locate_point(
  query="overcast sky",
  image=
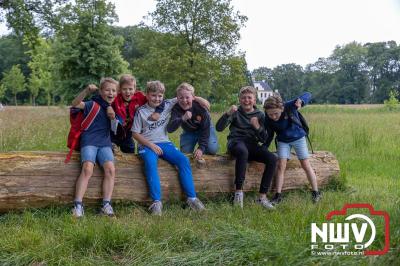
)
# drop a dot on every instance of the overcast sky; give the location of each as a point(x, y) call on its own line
point(296, 31)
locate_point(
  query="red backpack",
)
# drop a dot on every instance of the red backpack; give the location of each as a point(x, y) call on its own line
point(79, 123)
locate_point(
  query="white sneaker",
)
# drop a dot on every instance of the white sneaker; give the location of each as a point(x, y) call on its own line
point(265, 203)
point(238, 200)
point(156, 208)
point(78, 211)
point(107, 210)
point(195, 204)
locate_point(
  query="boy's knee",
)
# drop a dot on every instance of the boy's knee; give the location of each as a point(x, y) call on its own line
point(109, 169)
point(87, 170)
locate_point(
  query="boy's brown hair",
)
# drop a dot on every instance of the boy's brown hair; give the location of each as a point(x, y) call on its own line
point(155, 86)
point(104, 81)
point(273, 102)
point(185, 86)
point(127, 78)
point(248, 89)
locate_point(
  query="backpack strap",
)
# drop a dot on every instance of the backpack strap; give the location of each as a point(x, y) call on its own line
point(293, 118)
point(86, 123)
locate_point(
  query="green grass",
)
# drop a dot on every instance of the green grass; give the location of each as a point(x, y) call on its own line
point(365, 142)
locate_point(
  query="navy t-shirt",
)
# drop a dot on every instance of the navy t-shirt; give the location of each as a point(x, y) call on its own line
point(98, 134)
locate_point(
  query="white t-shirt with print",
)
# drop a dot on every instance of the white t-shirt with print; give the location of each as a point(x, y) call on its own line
point(153, 131)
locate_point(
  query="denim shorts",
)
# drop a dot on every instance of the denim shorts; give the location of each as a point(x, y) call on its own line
point(300, 147)
point(99, 154)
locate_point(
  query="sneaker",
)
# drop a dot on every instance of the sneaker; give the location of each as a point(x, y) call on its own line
point(316, 196)
point(107, 210)
point(78, 211)
point(156, 208)
point(276, 199)
point(265, 203)
point(195, 204)
point(238, 200)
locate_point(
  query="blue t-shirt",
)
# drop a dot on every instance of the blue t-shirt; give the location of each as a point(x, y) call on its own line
point(98, 134)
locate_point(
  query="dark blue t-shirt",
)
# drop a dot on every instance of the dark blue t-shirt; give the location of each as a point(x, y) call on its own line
point(98, 134)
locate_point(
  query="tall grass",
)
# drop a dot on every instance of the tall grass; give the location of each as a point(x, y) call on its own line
point(365, 142)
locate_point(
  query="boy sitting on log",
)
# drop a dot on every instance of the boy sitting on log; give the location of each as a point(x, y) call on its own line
point(283, 119)
point(154, 143)
point(125, 104)
point(96, 145)
point(195, 122)
point(244, 143)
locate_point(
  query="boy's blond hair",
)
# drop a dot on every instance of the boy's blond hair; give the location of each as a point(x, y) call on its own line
point(127, 78)
point(155, 86)
point(248, 89)
point(273, 102)
point(185, 86)
point(104, 81)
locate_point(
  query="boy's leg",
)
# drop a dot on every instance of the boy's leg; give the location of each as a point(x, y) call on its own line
point(300, 147)
point(150, 159)
point(283, 155)
point(312, 178)
point(240, 152)
point(88, 160)
point(128, 145)
point(105, 158)
point(175, 157)
point(212, 147)
point(187, 141)
point(262, 155)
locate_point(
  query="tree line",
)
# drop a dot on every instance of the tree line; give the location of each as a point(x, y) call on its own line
point(58, 46)
point(353, 74)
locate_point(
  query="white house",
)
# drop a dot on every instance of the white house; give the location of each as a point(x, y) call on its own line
point(263, 90)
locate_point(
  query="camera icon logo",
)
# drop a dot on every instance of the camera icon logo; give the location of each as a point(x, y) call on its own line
point(354, 235)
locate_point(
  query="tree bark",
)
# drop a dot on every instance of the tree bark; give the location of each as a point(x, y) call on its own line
point(38, 179)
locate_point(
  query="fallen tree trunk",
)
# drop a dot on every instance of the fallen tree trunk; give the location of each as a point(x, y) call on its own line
point(38, 179)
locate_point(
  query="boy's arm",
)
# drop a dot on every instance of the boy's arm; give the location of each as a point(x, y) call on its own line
point(300, 101)
point(225, 119)
point(204, 133)
point(142, 140)
point(175, 121)
point(78, 101)
point(203, 102)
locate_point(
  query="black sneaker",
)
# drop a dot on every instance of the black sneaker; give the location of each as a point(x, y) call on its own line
point(316, 196)
point(276, 199)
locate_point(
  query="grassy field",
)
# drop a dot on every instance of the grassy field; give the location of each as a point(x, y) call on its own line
point(365, 141)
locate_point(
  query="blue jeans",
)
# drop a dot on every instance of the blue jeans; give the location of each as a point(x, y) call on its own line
point(300, 147)
point(174, 157)
point(99, 154)
point(188, 141)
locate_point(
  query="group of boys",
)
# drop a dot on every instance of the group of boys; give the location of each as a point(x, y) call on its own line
point(126, 114)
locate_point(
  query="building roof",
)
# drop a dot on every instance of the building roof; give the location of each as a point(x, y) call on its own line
point(263, 85)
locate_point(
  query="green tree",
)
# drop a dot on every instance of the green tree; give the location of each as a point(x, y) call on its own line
point(85, 48)
point(383, 60)
point(352, 74)
point(2, 91)
point(31, 18)
point(263, 73)
point(14, 81)
point(13, 52)
point(288, 80)
point(193, 41)
point(43, 71)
